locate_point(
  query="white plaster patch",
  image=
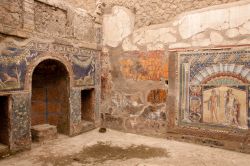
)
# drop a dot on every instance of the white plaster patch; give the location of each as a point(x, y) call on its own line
point(216, 38)
point(127, 45)
point(155, 46)
point(230, 42)
point(199, 36)
point(247, 26)
point(231, 33)
point(139, 37)
point(117, 26)
point(179, 45)
point(201, 42)
point(245, 29)
point(239, 15)
point(161, 35)
point(218, 19)
point(244, 41)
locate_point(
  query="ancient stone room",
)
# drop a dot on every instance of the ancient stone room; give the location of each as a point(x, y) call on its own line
point(124, 82)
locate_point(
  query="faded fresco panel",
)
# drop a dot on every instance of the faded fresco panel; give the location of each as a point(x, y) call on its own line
point(225, 105)
point(151, 65)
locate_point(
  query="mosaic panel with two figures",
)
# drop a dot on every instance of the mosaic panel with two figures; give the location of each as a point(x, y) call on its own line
point(215, 87)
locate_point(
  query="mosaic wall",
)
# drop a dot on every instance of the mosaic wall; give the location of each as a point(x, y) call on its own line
point(14, 62)
point(214, 87)
point(12, 69)
point(84, 69)
point(20, 133)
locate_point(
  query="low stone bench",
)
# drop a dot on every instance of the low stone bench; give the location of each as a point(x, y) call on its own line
point(41, 133)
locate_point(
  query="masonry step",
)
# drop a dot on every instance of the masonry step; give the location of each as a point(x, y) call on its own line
point(43, 132)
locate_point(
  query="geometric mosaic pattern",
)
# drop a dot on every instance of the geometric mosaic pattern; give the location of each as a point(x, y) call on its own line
point(238, 71)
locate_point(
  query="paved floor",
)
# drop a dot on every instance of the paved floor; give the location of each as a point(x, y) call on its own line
point(179, 153)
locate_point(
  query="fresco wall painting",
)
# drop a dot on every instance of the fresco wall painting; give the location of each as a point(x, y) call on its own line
point(214, 88)
point(139, 92)
point(152, 65)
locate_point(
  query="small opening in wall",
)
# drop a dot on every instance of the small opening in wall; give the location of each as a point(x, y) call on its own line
point(4, 120)
point(87, 105)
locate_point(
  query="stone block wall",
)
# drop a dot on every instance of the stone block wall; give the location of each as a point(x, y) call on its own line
point(50, 20)
point(11, 13)
point(88, 5)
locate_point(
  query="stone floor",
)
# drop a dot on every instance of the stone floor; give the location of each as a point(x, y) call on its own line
point(123, 149)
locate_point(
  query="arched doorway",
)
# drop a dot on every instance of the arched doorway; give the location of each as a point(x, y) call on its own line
point(50, 95)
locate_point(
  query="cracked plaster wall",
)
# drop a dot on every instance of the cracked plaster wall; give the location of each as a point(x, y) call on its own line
point(219, 25)
point(149, 12)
